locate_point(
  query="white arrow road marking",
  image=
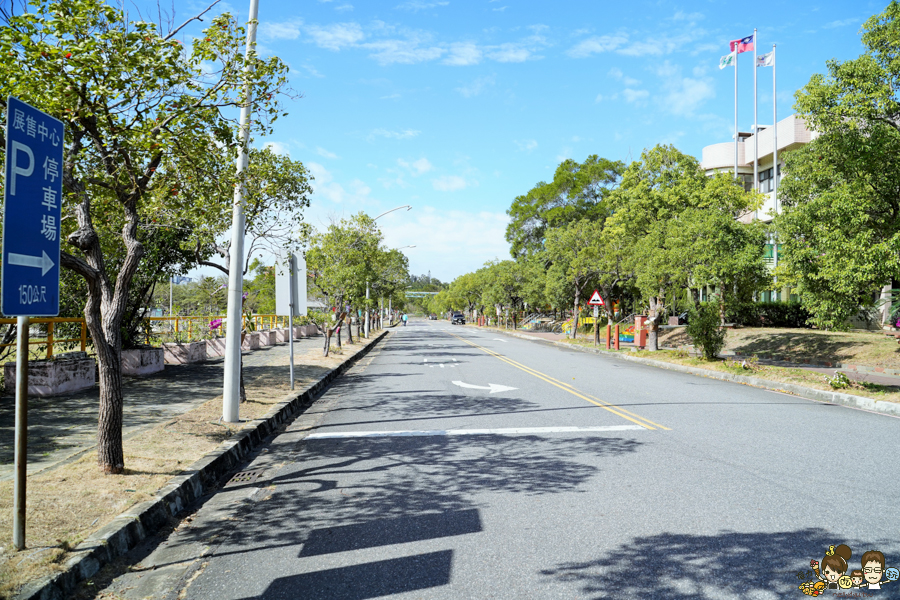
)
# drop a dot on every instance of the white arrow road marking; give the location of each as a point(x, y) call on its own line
point(510, 431)
point(499, 340)
point(491, 386)
point(24, 260)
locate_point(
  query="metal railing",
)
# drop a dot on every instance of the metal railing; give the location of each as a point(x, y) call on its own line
point(193, 328)
point(50, 340)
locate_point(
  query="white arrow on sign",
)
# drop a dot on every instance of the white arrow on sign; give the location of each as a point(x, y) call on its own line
point(24, 260)
point(491, 386)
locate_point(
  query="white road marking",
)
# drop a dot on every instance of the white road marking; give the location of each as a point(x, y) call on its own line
point(507, 431)
point(499, 340)
point(494, 387)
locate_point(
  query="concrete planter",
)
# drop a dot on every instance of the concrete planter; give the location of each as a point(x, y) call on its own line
point(281, 335)
point(142, 361)
point(215, 347)
point(268, 338)
point(54, 377)
point(250, 341)
point(309, 330)
point(182, 354)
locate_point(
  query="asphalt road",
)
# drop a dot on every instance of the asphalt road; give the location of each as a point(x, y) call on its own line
point(582, 476)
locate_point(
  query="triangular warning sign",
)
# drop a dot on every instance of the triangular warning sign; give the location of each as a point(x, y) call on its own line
point(596, 299)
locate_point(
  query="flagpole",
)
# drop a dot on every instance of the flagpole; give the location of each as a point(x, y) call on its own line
point(775, 153)
point(736, 54)
point(755, 120)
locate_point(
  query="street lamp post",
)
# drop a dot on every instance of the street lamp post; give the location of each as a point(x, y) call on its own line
point(366, 322)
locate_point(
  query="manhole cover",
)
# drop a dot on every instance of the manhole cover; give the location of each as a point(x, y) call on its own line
point(244, 477)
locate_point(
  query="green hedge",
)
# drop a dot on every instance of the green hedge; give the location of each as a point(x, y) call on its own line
point(768, 314)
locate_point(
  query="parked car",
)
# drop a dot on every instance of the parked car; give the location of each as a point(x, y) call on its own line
point(458, 319)
point(432, 317)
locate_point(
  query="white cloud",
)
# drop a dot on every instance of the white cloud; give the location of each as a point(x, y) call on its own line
point(634, 96)
point(393, 96)
point(403, 51)
point(440, 251)
point(596, 45)
point(417, 5)
point(690, 17)
point(324, 186)
point(500, 9)
point(617, 74)
point(417, 167)
point(477, 86)
point(683, 96)
point(312, 71)
point(449, 183)
point(526, 145)
point(842, 23)
point(405, 134)
point(336, 36)
point(279, 148)
point(463, 54)
point(344, 8)
point(509, 53)
point(325, 153)
point(280, 31)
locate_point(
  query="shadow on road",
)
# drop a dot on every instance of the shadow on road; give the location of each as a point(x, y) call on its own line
point(724, 565)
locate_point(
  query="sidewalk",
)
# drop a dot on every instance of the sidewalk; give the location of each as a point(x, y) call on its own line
point(853, 372)
point(62, 428)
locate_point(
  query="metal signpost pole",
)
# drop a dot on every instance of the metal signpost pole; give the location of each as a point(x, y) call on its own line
point(292, 267)
point(30, 271)
point(21, 434)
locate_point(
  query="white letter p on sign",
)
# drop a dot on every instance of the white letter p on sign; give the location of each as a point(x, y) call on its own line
point(16, 169)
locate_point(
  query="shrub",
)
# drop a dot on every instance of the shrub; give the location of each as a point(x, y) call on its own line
point(768, 314)
point(704, 329)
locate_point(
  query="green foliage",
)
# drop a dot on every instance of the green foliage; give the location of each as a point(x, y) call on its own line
point(704, 329)
point(838, 381)
point(768, 314)
point(261, 289)
point(577, 191)
point(840, 229)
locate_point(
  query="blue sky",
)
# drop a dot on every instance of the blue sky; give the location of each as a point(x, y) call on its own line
point(458, 107)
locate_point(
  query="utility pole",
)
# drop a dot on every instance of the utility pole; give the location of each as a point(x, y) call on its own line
point(231, 386)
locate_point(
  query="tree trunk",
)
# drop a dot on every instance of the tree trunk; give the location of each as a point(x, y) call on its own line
point(575, 316)
point(656, 306)
point(110, 453)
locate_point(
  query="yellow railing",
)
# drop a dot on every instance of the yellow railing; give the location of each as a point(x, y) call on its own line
point(190, 327)
point(50, 340)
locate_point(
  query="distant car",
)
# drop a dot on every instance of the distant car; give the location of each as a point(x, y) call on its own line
point(458, 319)
point(432, 317)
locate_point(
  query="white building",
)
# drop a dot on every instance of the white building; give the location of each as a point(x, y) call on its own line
point(718, 158)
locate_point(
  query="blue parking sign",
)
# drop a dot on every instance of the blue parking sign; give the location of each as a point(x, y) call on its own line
point(32, 206)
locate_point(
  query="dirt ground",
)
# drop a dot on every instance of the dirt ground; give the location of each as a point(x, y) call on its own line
point(871, 349)
point(70, 502)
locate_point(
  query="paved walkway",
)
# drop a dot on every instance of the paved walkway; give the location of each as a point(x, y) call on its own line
point(62, 428)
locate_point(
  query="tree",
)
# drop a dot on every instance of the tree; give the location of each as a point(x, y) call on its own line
point(651, 209)
point(133, 102)
point(839, 233)
point(574, 253)
point(506, 284)
point(577, 191)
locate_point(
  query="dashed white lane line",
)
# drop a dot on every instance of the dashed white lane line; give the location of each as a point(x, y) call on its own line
point(440, 432)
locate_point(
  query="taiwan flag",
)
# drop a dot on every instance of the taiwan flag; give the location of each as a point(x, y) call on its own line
point(742, 45)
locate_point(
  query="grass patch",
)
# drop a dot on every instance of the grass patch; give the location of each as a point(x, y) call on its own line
point(68, 503)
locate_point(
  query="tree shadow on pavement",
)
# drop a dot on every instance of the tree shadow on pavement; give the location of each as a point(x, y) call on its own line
point(723, 565)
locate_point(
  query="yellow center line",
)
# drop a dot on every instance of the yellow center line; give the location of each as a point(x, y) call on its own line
point(616, 410)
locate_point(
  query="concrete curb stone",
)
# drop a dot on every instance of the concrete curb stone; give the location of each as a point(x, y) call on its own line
point(880, 406)
point(127, 530)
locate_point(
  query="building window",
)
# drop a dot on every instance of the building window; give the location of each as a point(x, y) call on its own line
point(766, 183)
point(747, 180)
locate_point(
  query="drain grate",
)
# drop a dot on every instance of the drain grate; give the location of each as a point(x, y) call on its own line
point(244, 477)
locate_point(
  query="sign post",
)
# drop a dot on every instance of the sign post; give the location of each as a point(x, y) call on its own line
point(290, 292)
point(596, 301)
point(29, 282)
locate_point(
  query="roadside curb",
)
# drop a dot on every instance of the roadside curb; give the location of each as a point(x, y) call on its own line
point(861, 402)
point(142, 520)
